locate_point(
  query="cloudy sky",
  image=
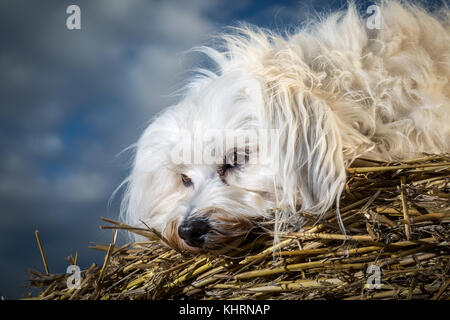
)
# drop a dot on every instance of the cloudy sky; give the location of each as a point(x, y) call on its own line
point(72, 100)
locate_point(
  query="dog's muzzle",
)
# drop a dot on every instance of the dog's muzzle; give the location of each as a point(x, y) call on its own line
point(194, 231)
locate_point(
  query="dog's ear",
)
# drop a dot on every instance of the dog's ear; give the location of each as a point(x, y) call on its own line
point(150, 179)
point(309, 164)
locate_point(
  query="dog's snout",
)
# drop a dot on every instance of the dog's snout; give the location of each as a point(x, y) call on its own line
point(194, 231)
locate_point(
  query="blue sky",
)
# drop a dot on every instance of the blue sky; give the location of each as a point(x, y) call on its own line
point(72, 100)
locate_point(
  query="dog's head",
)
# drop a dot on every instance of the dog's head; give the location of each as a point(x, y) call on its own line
point(201, 176)
point(250, 138)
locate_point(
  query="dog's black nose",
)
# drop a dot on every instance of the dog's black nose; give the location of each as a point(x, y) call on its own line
point(194, 231)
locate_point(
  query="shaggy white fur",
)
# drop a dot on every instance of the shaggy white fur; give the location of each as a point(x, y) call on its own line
point(333, 91)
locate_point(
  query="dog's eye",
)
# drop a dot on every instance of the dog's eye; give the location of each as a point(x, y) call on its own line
point(227, 165)
point(186, 180)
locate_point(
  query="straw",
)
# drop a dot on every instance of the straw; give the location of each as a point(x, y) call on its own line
point(396, 216)
point(41, 249)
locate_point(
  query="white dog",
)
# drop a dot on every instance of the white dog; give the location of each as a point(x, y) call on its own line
point(341, 88)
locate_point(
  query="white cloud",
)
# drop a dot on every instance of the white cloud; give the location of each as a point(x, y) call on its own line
point(46, 145)
point(158, 68)
point(81, 187)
